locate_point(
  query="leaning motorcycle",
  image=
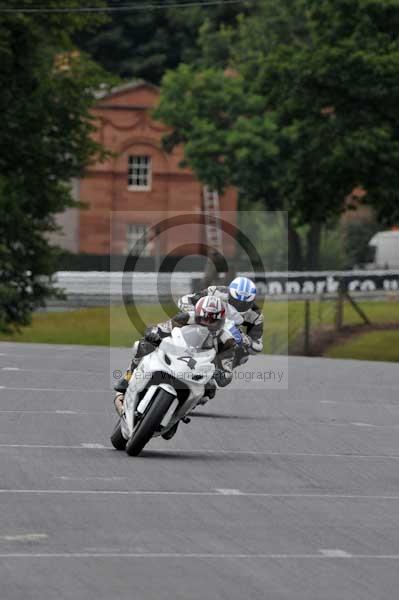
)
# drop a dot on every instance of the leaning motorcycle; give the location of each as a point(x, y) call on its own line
point(165, 387)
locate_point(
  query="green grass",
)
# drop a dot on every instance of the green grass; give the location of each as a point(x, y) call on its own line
point(93, 326)
point(374, 345)
point(323, 313)
point(112, 326)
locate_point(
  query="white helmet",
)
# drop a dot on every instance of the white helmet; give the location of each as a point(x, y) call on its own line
point(210, 311)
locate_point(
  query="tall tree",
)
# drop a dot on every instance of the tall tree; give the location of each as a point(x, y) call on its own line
point(305, 112)
point(145, 43)
point(45, 137)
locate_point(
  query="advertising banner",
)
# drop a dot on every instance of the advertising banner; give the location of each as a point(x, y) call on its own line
point(325, 282)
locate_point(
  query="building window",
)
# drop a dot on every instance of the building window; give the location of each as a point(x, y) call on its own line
point(139, 173)
point(137, 239)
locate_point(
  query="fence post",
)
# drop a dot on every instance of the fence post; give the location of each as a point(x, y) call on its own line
point(339, 307)
point(273, 344)
point(306, 329)
point(320, 309)
point(157, 257)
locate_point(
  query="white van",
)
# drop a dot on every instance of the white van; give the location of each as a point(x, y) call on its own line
point(384, 250)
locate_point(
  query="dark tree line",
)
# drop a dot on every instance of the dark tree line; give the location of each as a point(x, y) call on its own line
point(146, 43)
point(45, 138)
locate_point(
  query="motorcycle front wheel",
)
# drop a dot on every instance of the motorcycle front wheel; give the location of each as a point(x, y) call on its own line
point(150, 423)
point(117, 439)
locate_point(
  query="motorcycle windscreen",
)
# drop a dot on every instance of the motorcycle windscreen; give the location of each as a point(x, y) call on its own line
point(192, 337)
point(196, 337)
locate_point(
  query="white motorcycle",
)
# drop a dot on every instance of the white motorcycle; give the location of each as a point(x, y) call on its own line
point(164, 388)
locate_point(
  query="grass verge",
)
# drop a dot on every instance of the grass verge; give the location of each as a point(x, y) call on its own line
point(372, 345)
point(114, 326)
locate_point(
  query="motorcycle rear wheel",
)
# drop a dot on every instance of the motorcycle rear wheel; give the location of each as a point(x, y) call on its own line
point(149, 423)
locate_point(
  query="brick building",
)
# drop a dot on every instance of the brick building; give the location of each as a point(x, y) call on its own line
point(139, 185)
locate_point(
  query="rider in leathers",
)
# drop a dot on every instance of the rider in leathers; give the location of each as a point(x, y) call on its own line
point(242, 309)
point(209, 312)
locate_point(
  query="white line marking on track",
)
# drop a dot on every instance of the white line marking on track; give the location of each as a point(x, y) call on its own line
point(75, 390)
point(55, 356)
point(213, 493)
point(107, 390)
point(24, 537)
point(54, 412)
point(277, 454)
point(334, 386)
point(58, 446)
point(93, 445)
point(96, 446)
point(373, 425)
point(53, 446)
point(169, 555)
point(335, 553)
point(359, 424)
point(52, 371)
point(67, 478)
point(102, 549)
point(228, 492)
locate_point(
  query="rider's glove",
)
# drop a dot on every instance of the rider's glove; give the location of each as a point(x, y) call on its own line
point(152, 336)
point(185, 303)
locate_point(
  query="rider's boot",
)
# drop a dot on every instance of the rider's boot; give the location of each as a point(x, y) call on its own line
point(137, 354)
point(118, 401)
point(140, 349)
point(169, 434)
point(241, 356)
point(123, 383)
point(120, 389)
point(209, 393)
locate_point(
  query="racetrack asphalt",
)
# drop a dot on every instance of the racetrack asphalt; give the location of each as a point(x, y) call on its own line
point(274, 494)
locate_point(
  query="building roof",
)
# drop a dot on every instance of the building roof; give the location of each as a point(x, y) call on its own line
point(124, 87)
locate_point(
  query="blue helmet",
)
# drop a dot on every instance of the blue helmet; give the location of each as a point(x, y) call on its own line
point(242, 293)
